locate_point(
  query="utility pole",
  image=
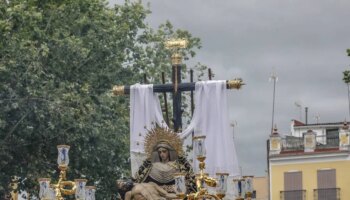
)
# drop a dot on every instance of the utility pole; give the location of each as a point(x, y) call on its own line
point(233, 125)
point(348, 84)
point(273, 78)
point(346, 79)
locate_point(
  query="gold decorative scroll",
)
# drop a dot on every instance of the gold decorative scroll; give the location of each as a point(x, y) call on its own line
point(176, 44)
point(235, 83)
point(118, 90)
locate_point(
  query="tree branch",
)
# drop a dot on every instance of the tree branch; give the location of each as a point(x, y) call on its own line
point(15, 126)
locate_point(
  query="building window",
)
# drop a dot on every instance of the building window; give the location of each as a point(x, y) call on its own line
point(293, 186)
point(332, 137)
point(326, 185)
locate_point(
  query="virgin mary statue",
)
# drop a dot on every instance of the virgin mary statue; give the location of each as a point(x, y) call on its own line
point(165, 158)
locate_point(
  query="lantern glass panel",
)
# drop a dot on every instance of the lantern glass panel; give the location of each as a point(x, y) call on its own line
point(180, 186)
point(249, 184)
point(52, 193)
point(80, 189)
point(44, 184)
point(63, 157)
point(222, 183)
point(90, 192)
point(199, 146)
point(239, 188)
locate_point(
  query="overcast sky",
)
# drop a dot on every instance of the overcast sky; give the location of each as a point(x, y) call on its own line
point(304, 41)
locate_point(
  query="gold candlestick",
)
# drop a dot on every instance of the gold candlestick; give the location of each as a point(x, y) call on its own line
point(63, 186)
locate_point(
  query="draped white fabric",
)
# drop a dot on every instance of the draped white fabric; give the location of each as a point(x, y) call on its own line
point(210, 118)
point(145, 112)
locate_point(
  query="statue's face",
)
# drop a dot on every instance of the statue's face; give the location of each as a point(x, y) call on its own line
point(163, 154)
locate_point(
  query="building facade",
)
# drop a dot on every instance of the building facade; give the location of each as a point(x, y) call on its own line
point(260, 185)
point(312, 163)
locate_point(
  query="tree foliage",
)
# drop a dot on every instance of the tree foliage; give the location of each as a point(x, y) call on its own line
point(58, 63)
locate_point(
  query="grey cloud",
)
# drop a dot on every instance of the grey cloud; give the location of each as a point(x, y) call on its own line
point(305, 41)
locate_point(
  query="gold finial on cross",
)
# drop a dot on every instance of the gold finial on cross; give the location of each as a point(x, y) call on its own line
point(176, 44)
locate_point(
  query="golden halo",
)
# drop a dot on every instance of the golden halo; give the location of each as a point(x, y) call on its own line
point(159, 134)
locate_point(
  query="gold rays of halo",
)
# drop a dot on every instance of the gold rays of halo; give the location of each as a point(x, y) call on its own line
point(159, 134)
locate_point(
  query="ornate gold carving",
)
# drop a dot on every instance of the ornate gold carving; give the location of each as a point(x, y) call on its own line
point(210, 181)
point(63, 187)
point(202, 196)
point(221, 196)
point(176, 44)
point(14, 188)
point(118, 90)
point(198, 137)
point(202, 163)
point(181, 196)
point(249, 194)
point(176, 59)
point(159, 134)
point(235, 83)
point(60, 187)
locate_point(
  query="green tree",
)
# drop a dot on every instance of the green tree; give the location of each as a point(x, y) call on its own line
point(58, 63)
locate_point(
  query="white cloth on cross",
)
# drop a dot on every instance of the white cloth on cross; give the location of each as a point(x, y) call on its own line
point(145, 113)
point(210, 118)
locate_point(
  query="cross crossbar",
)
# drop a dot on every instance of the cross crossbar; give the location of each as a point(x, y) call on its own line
point(169, 87)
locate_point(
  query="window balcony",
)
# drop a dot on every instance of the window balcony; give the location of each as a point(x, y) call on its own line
point(323, 142)
point(293, 195)
point(327, 142)
point(327, 194)
point(290, 143)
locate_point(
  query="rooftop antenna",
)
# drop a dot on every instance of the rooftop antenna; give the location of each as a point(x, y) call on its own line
point(273, 78)
point(233, 124)
point(317, 117)
point(299, 105)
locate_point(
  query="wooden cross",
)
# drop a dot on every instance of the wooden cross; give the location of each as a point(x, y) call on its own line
point(176, 87)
